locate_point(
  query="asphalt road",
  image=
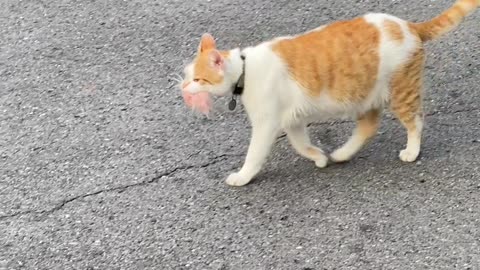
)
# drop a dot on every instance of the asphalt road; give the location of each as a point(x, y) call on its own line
point(103, 167)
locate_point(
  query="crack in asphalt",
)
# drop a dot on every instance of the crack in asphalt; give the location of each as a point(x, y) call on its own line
point(171, 172)
point(155, 179)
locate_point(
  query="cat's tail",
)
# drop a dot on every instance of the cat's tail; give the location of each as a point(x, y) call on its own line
point(446, 21)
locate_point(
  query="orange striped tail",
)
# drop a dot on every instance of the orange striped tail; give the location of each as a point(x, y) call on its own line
point(446, 21)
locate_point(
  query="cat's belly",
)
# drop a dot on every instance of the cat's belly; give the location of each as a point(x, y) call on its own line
point(325, 107)
point(329, 109)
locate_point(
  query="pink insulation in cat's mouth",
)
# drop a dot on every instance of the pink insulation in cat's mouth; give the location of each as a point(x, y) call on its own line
point(200, 102)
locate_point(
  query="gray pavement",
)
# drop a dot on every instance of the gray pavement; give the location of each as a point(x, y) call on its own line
point(103, 167)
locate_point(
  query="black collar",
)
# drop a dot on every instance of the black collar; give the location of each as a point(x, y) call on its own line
point(238, 90)
point(238, 86)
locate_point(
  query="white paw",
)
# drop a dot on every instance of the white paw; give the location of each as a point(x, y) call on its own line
point(236, 180)
point(341, 155)
point(408, 155)
point(321, 162)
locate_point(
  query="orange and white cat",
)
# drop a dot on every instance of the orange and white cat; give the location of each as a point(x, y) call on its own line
point(346, 69)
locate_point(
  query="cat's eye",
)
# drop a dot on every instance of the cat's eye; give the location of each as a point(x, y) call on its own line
point(204, 81)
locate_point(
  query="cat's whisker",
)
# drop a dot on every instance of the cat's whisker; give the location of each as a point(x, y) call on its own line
point(179, 77)
point(175, 80)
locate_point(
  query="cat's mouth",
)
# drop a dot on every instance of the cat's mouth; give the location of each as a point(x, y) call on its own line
point(200, 101)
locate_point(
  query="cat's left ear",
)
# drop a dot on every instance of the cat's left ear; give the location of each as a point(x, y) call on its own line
point(207, 43)
point(216, 60)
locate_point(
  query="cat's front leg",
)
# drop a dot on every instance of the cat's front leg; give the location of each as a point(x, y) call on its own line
point(263, 137)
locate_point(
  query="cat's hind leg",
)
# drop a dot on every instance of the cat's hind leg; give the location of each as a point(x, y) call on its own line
point(298, 137)
point(367, 126)
point(406, 102)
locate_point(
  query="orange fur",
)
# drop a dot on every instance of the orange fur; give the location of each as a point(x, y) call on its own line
point(225, 54)
point(406, 90)
point(445, 21)
point(342, 59)
point(204, 72)
point(394, 31)
point(368, 124)
point(313, 152)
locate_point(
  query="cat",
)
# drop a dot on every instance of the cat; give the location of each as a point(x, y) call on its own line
point(351, 68)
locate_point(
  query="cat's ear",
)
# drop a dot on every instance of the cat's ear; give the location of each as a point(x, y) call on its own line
point(206, 43)
point(216, 60)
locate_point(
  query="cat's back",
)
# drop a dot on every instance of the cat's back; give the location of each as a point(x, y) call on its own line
point(347, 58)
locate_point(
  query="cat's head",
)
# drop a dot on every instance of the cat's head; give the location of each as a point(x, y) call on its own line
point(208, 74)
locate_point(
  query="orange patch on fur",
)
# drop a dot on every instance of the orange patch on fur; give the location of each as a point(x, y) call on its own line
point(204, 71)
point(394, 30)
point(406, 90)
point(312, 152)
point(225, 54)
point(368, 123)
point(341, 58)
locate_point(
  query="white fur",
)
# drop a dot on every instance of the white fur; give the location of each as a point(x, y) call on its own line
point(412, 151)
point(320, 28)
point(275, 102)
